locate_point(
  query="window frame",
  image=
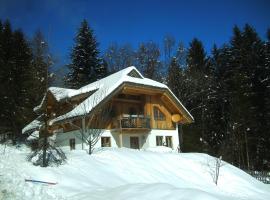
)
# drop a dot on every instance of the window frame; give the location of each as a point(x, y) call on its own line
point(171, 141)
point(106, 142)
point(158, 140)
point(158, 114)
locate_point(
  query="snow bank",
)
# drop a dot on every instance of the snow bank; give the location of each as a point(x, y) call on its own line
point(126, 174)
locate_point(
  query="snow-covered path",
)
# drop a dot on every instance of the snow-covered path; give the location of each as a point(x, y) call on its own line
point(125, 174)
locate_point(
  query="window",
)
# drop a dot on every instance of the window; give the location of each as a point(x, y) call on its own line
point(169, 141)
point(72, 143)
point(158, 115)
point(105, 142)
point(159, 140)
point(134, 74)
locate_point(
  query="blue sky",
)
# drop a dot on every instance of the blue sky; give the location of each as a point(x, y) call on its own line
point(136, 21)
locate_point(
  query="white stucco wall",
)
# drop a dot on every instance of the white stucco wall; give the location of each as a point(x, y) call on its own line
point(62, 139)
point(146, 140)
point(151, 139)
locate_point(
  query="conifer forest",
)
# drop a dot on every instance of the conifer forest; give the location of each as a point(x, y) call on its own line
point(227, 90)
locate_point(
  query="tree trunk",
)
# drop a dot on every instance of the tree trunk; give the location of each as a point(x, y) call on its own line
point(83, 130)
point(247, 151)
point(44, 151)
point(90, 148)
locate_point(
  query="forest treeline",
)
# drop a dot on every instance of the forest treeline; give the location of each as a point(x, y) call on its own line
point(227, 91)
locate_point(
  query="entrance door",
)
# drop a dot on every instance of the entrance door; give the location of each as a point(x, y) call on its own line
point(134, 142)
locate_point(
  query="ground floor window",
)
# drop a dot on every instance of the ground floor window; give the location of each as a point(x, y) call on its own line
point(159, 140)
point(105, 141)
point(72, 143)
point(169, 141)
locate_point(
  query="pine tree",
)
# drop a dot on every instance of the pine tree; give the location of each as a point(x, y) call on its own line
point(266, 82)
point(5, 76)
point(196, 57)
point(85, 63)
point(42, 63)
point(21, 94)
point(2, 84)
point(199, 81)
point(16, 58)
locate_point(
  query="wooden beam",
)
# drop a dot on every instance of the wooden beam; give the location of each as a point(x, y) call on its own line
point(186, 119)
point(140, 90)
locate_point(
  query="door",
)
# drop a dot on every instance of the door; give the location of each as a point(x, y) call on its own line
point(134, 142)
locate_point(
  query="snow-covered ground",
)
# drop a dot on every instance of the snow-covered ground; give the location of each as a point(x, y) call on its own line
point(125, 174)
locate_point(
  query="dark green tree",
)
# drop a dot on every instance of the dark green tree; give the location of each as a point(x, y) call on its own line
point(6, 65)
point(85, 64)
point(16, 81)
point(196, 58)
point(42, 63)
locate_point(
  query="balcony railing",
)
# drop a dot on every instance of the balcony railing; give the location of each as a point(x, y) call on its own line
point(135, 122)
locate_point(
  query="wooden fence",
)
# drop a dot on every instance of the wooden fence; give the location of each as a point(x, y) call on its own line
point(262, 176)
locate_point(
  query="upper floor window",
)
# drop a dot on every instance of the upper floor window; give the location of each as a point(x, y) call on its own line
point(158, 115)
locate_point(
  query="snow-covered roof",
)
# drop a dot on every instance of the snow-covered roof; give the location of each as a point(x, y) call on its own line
point(104, 87)
point(64, 93)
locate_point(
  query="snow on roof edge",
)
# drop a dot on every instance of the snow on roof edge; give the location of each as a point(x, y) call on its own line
point(106, 83)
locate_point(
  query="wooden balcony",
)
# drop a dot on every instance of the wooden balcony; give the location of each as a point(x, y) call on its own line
point(133, 122)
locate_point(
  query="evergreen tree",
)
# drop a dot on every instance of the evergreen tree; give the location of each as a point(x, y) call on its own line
point(196, 57)
point(6, 65)
point(2, 77)
point(85, 63)
point(42, 63)
point(266, 82)
point(199, 82)
point(16, 81)
point(21, 83)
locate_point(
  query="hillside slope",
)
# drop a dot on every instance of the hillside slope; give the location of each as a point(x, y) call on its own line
point(125, 174)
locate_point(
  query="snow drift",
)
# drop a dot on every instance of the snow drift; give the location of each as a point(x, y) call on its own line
point(125, 174)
